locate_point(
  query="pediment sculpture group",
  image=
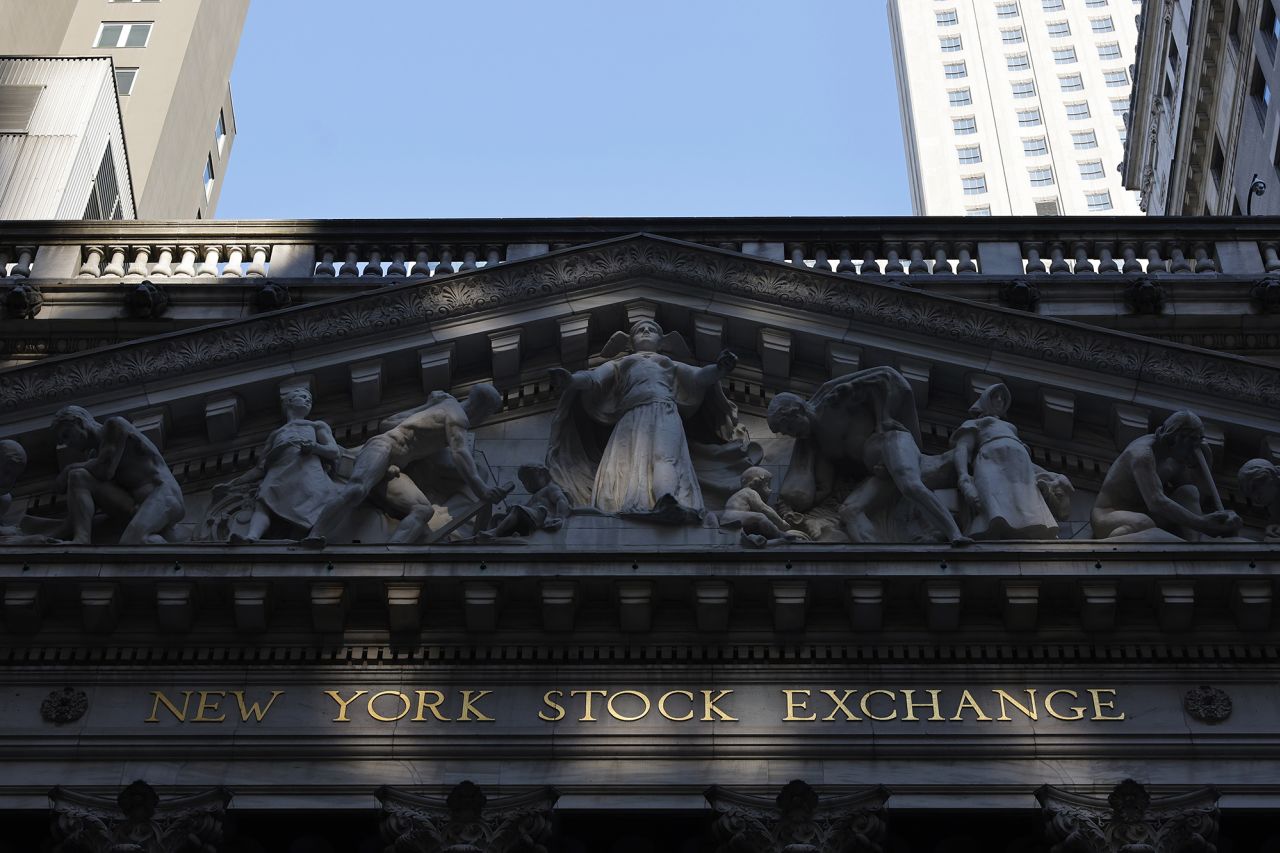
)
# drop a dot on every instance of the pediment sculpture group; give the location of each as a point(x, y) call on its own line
point(648, 437)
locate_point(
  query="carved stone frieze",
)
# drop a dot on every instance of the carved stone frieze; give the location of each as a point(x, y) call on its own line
point(466, 821)
point(1207, 704)
point(884, 305)
point(64, 706)
point(798, 820)
point(1130, 821)
point(137, 821)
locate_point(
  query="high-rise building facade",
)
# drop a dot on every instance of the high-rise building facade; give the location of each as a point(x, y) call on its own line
point(172, 73)
point(1014, 106)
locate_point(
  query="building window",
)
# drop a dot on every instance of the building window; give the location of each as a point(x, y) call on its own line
point(1024, 89)
point(1012, 36)
point(1095, 4)
point(125, 78)
point(104, 195)
point(1235, 28)
point(1123, 133)
point(1006, 10)
point(964, 126)
point(208, 177)
point(983, 210)
point(1059, 29)
point(1029, 118)
point(117, 34)
point(220, 132)
point(1269, 26)
point(1260, 92)
point(1064, 55)
point(1078, 110)
point(1217, 164)
point(950, 44)
point(1110, 50)
point(1041, 176)
point(974, 184)
point(947, 18)
point(1100, 200)
point(1083, 139)
point(1051, 5)
point(17, 103)
point(1091, 170)
point(1035, 147)
point(1119, 106)
point(954, 70)
point(1071, 82)
point(1047, 207)
point(1017, 62)
point(1116, 78)
point(970, 154)
point(959, 97)
point(1102, 25)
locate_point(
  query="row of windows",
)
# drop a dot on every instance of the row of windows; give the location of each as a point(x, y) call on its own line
point(1090, 170)
point(1061, 56)
point(1030, 117)
point(1010, 10)
point(1015, 35)
point(1096, 201)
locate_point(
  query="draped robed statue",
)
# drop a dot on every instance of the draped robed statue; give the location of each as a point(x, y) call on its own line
point(641, 434)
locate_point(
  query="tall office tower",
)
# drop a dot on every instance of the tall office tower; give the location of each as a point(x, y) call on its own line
point(1014, 106)
point(172, 72)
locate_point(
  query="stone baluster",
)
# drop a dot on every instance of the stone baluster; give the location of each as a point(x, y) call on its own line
point(4, 263)
point(164, 262)
point(212, 254)
point(374, 267)
point(845, 265)
point(870, 266)
point(258, 266)
point(22, 268)
point(492, 255)
point(893, 262)
point(918, 266)
point(468, 259)
point(187, 266)
point(235, 262)
point(1178, 259)
point(796, 251)
point(941, 266)
point(1108, 259)
point(1204, 263)
point(1270, 257)
point(351, 267)
point(1155, 263)
point(324, 269)
point(964, 251)
point(821, 260)
point(1057, 260)
point(1083, 266)
point(1034, 262)
point(397, 268)
point(115, 267)
point(444, 266)
point(92, 266)
point(141, 257)
point(1132, 266)
point(422, 261)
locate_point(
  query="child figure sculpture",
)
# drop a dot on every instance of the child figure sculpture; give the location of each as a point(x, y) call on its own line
point(749, 509)
point(545, 510)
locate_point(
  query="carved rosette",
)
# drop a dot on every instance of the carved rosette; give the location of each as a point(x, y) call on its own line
point(466, 821)
point(64, 706)
point(138, 820)
point(799, 821)
point(1130, 821)
point(1207, 704)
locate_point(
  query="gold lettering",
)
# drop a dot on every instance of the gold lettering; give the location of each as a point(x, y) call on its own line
point(161, 699)
point(840, 706)
point(433, 706)
point(588, 715)
point(1048, 705)
point(709, 705)
point(967, 701)
point(932, 703)
point(1004, 696)
point(404, 700)
point(614, 713)
point(662, 705)
point(468, 708)
point(258, 711)
point(206, 705)
point(343, 703)
point(794, 705)
point(1098, 704)
point(866, 698)
point(546, 698)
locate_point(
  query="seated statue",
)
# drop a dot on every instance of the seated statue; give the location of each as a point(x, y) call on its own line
point(121, 474)
point(1155, 489)
point(291, 480)
point(748, 508)
point(439, 425)
point(1006, 494)
point(860, 432)
point(1260, 482)
point(546, 508)
point(13, 461)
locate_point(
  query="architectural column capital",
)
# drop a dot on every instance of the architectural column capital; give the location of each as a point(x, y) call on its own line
point(798, 820)
point(1129, 819)
point(466, 820)
point(138, 819)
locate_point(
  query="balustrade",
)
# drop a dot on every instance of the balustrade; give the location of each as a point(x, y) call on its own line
point(193, 260)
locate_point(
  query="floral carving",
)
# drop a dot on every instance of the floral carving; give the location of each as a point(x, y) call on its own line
point(1207, 704)
point(799, 821)
point(64, 706)
point(138, 821)
point(466, 821)
point(1130, 820)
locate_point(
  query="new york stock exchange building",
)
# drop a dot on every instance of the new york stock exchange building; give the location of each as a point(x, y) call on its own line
point(638, 536)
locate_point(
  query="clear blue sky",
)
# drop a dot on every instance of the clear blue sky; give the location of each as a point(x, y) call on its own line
point(425, 108)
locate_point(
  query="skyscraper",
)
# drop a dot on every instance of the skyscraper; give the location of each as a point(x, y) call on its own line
point(172, 68)
point(1014, 106)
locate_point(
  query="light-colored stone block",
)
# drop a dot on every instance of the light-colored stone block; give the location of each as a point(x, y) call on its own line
point(1176, 604)
point(1000, 258)
point(708, 336)
point(1238, 257)
point(1058, 412)
point(175, 606)
point(1128, 422)
point(23, 608)
point(292, 260)
point(774, 346)
point(559, 605)
point(404, 606)
point(917, 375)
point(520, 251)
point(251, 603)
point(480, 606)
point(772, 251)
point(1021, 605)
point(790, 600)
point(222, 414)
point(1098, 605)
point(153, 423)
point(712, 601)
point(99, 607)
point(635, 605)
point(942, 602)
point(866, 605)
point(575, 338)
point(843, 359)
point(366, 384)
point(436, 365)
point(504, 353)
point(328, 607)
